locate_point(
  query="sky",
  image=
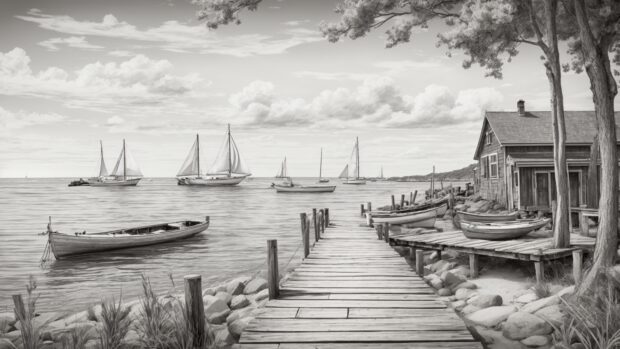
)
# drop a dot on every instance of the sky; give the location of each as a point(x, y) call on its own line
point(74, 72)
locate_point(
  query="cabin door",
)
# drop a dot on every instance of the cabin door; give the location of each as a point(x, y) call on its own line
point(574, 186)
point(543, 189)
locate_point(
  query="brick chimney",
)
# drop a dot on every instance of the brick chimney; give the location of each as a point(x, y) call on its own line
point(521, 107)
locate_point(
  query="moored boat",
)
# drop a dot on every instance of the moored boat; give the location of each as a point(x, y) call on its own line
point(487, 217)
point(64, 245)
point(403, 218)
point(126, 172)
point(351, 172)
point(296, 188)
point(79, 182)
point(503, 230)
point(321, 179)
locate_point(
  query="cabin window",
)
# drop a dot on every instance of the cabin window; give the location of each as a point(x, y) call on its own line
point(484, 167)
point(489, 137)
point(493, 165)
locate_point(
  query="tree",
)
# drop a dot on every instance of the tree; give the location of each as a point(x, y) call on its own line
point(488, 31)
point(598, 33)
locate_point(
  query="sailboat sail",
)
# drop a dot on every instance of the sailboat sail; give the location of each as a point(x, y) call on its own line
point(229, 161)
point(126, 166)
point(191, 165)
point(354, 170)
point(345, 172)
point(283, 171)
point(321, 165)
point(103, 170)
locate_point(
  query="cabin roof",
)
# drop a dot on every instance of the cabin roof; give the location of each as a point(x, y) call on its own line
point(535, 128)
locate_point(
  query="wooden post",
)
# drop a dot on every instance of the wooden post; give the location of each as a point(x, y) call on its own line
point(577, 266)
point(195, 310)
point(415, 193)
point(402, 200)
point(584, 228)
point(540, 271)
point(386, 232)
point(419, 262)
point(369, 206)
point(273, 275)
point(316, 225)
point(438, 255)
point(305, 238)
point(393, 203)
point(410, 198)
point(473, 265)
point(327, 218)
point(322, 225)
point(379, 231)
point(411, 253)
point(308, 230)
point(362, 210)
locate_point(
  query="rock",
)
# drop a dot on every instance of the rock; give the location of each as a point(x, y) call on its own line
point(92, 344)
point(43, 319)
point(461, 271)
point(451, 280)
point(434, 280)
point(441, 266)
point(13, 335)
point(452, 299)
point(236, 286)
point(527, 298)
point(434, 256)
point(495, 340)
point(468, 309)
point(491, 316)
point(8, 317)
point(223, 338)
point(6, 344)
point(255, 285)
point(208, 292)
point(132, 338)
point(536, 341)
point(225, 296)
point(444, 292)
point(264, 294)
point(539, 304)
point(459, 305)
point(220, 288)
point(240, 313)
point(218, 317)
point(239, 301)
point(464, 294)
point(237, 327)
point(522, 324)
point(485, 300)
point(58, 329)
point(467, 284)
point(214, 304)
point(552, 314)
point(566, 291)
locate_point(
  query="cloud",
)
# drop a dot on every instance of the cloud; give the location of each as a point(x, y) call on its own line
point(386, 68)
point(16, 120)
point(175, 36)
point(115, 121)
point(72, 41)
point(139, 83)
point(377, 102)
point(296, 23)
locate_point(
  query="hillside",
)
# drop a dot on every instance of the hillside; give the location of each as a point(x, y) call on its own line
point(462, 174)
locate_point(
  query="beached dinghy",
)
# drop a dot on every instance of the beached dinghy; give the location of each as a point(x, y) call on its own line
point(487, 217)
point(64, 245)
point(502, 231)
point(404, 218)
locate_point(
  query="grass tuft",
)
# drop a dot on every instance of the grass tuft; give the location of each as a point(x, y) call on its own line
point(154, 324)
point(542, 289)
point(115, 322)
point(29, 331)
point(76, 338)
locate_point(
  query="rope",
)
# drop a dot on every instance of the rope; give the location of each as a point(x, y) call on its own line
point(289, 261)
point(46, 257)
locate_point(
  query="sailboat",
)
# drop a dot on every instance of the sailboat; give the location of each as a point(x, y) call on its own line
point(321, 179)
point(228, 168)
point(283, 170)
point(352, 174)
point(287, 185)
point(126, 172)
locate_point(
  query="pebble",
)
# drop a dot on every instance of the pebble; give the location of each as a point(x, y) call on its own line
point(521, 325)
point(239, 301)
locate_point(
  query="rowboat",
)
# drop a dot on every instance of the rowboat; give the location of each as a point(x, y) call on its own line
point(351, 172)
point(487, 217)
point(126, 172)
point(502, 231)
point(296, 188)
point(64, 245)
point(404, 218)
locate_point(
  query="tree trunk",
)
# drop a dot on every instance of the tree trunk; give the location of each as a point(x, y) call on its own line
point(592, 186)
point(561, 227)
point(604, 90)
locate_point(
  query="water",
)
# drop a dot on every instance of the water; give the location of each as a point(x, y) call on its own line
point(242, 219)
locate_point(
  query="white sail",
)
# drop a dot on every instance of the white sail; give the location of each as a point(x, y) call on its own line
point(345, 172)
point(229, 161)
point(103, 170)
point(354, 162)
point(283, 171)
point(126, 166)
point(191, 165)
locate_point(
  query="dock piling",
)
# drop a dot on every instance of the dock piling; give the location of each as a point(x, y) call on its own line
point(393, 203)
point(273, 275)
point(316, 225)
point(379, 229)
point(369, 206)
point(304, 234)
point(326, 217)
point(386, 232)
point(473, 265)
point(419, 262)
point(361, 210)
point(402, 200)
point(577, 266)
point(415, 193)
point(195, 309)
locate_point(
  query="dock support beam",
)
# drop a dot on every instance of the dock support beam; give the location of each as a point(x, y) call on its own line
point(273, 275)
point(369, 207)
point(393, 203)
point(195, 310)
point(386, 232)
point(415, 193)
point(473, 265)
point(305, 238)
point(326, 217)
point(379, 228)
point(419, 262)
point(316, 225)
point(577, 266)
point(411, 253)
point(540, 271)
point(402, 200)
point(362, 210)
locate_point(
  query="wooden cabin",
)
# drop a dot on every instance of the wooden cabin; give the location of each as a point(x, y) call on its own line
point(515, 157)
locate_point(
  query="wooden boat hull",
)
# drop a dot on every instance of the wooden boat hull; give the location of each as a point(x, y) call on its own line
point(354, 181)
point(481, 217)
point(441, 210)
point(322, 180)
point(132, 182)
point(305, 189)
point(498, 231)
point(211, 182)
point(427, 223)
point(405, 218)
point(64, 245)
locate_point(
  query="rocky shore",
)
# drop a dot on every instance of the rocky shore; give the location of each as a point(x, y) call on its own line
point(229, 307)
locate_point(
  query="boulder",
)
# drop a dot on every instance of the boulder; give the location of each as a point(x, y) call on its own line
point(467, 284)
point(255, 285)
point(527, 298)
point(43, 319)
point(59, 328)
point(220, 288)
point(434, 280)
point(6, 344)
point(485, 300)
point(264, 294)
point(240, 313)
point(495, 340)
point(208, 291)
point(451, 280)
point(225, 296)
point(491, 316)
point(92, 344)
point(441, 266)
point(539, 304)
point(459, 305)
point(222, 338)
point(132, 339)
point(236, 286)
point(464, 294)
point(434, 256)
point(13, 335)
point(521, 325)
point(468, 309)
point(444, 292)
point(536, 341)
point(552, 314)
point(8, 317)
point(239, 301)
point(236, 327)
point(218, 317)
point(461, 271)
point(214, 304)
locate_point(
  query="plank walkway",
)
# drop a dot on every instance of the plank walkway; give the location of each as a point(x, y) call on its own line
point(354, 291)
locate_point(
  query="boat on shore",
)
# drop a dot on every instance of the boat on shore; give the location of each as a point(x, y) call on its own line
point(228, 169)
point(351, 172)
point(404, 218)
point(126, 172)
point(65, 245)
point(487, 217)
point(502, 230)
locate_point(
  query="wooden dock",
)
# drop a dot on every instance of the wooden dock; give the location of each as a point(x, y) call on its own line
point(354, 290)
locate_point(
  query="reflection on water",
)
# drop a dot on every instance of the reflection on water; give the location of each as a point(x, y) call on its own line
point(242, 218)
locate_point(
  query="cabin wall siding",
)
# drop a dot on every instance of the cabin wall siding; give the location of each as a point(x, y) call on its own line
point(528, 185)
point(493, 188)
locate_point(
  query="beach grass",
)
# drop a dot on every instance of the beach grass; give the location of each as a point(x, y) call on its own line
point(115, 322)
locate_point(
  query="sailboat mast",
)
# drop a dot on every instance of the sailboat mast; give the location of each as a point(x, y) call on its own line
point(229, 154)
point(357, 153)
point(198, 154)
point(321, 165)
point(101, 161)
point(124, 161)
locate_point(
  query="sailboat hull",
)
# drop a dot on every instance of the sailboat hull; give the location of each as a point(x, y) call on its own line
point(305, 188)
point(116, 183)
point(354, 181)
point(211, 182)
